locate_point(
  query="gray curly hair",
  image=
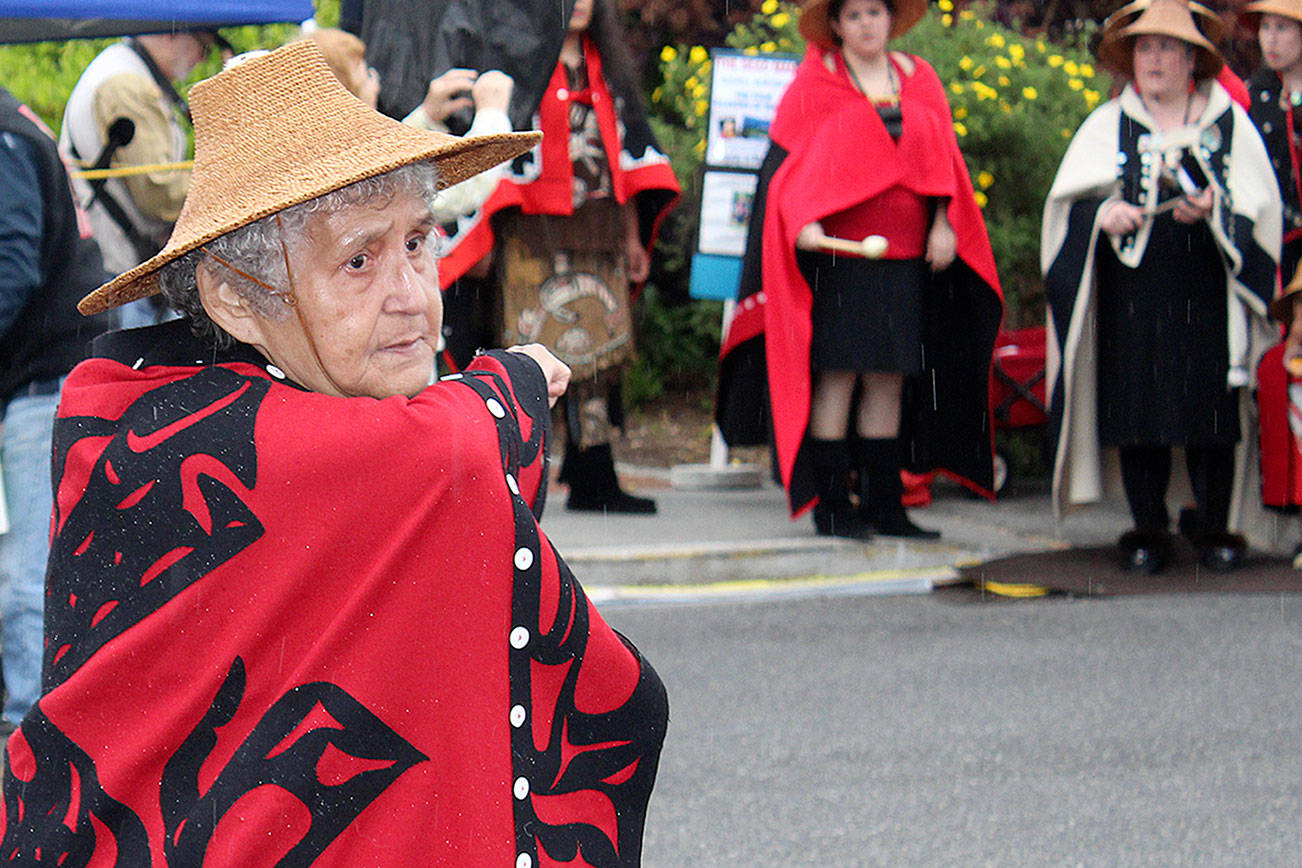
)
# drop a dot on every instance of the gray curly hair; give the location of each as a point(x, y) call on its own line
point(256, 250)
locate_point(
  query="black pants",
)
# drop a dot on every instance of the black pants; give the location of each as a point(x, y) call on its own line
point(1146, 472)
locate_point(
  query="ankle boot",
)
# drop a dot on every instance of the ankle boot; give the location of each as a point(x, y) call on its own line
point(834, 515)
point(594, 487)
point(881, 490)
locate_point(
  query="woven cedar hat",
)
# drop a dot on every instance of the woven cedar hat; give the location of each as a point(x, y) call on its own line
point(281, 129)
point(815, 26)
point(1211, 24)
point(1251, 14)
point(1172, 18)
point(1282, 307)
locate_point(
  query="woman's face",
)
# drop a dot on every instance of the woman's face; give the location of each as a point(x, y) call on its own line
point(581, 17)
point(1281, 42)
point(863, 27)
point(367, 293)
point(1163, 65)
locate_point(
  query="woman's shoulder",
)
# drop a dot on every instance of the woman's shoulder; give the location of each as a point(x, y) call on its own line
point(912, 64)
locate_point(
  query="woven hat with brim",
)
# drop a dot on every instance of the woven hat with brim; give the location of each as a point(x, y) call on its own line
point(1171, 18)
point(278, 130)
point(815, 26)
point(1211, 24)
point(1282, 307)
point(1251, 14)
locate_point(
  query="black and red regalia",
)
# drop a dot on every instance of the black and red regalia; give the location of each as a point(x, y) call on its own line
point(831, 151)
point(542, 181)
point(321, 630)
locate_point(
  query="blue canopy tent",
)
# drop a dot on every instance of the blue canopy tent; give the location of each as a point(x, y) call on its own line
point(39, 20)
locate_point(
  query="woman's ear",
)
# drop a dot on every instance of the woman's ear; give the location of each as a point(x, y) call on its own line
point(226, 307)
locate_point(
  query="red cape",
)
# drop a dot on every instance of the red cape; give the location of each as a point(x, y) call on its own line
point(542, 182)
point(840, 154)
point(287, 625)
point(1281, 477)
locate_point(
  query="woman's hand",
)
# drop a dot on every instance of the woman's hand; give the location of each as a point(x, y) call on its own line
point(1121, 218)
point(942, 243)
point(1191, 209)
point(811, 237)
point(449, 93)
point(556, 371)
point(635, 255)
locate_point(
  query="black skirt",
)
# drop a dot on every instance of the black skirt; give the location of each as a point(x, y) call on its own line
point(867, 313)
point(1163, 354)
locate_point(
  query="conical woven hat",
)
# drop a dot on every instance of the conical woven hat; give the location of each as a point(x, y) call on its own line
point(1211, 24)
point(1282, 307)
point(281, 129)
point(1252, 13)
point(815, 26)
point(1171, 18)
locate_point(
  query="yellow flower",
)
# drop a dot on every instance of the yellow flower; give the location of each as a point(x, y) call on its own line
point(981, 199)
point(995, 40)
point(699, 147)
point(965, 63)
point(1070, 68)
point(780, 20)
point(668, 53)
point(769, 47)
point(1005, 107)
point(698, 91)
point(946, 5)
point(1066, 134)
point(691, 82)
point(705, 68)
point(980, 25)
point(1030, 92)
point(947, 20)
point(979, 71)
point(1055, 60)
point(750, 49)
point(657, 94)
point(960, 129)
point(1075, 84)
point(1016, 51)
point(702, 107)
point(955, 87)
point(960, 112)
point(769, 7)
point(966, 15)
point(1003, 62)
point(1086, 70)
point(1004, 81)
point(984, 179)
point(698, 55)
point(1040, 46)
point(1092, 97)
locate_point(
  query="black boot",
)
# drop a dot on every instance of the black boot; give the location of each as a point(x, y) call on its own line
point(880, 490)
point(594, 487)
point(834, 515)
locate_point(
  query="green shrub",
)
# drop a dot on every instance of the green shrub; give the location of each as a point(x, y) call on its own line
point(1016, 102)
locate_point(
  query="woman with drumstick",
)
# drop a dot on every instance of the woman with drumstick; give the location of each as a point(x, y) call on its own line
point(880, 298)
point(1160, 240)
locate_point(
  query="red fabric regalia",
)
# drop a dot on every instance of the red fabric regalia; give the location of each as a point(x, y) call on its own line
point(833, 152)
point(541, 181)
point(285, 627)
point(1281, 457)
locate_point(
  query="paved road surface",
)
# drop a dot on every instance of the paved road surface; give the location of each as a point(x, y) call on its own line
point(944, 730)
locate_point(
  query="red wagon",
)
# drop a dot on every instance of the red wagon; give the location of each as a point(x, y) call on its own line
point(1017, 386)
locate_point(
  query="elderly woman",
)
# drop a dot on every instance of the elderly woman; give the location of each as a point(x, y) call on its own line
point(1159, 243)
point(300, 606)
point(877, 356)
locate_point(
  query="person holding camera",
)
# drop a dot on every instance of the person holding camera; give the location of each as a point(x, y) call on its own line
point(1158, 280)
